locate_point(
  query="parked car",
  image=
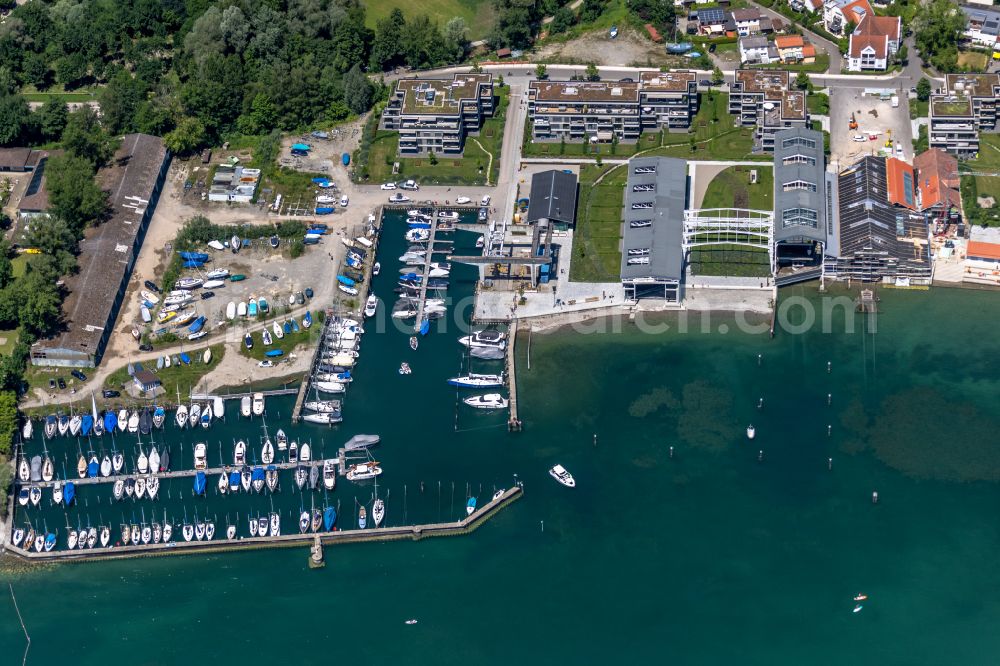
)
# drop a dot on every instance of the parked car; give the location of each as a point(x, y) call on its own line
point(409, 185)
point(151, 286)
point(300, 153)
point(859, 138)
point(265, 364)
point(705, 82)
point(711, 48)
point(108, 393)
point(62, 384)
point(52, 384)
point(388, 186)
point(207, 294)
point(398, 197)
point(79, 375)
point(145, 347)
point(344, 201)
point(485, 201)
point(626, 80)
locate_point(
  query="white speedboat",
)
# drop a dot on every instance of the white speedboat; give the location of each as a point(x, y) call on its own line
point(751, 432)
point(305, 452)
point(473, 380)
point(240, 453)
point(329, 387)
point(378, 512)
point(362, 471)
point(488, 338)
point(200, 460)
point(245, 406)
point(486, 401)
point(329, 473)
point(258, 404)
point(218, 407)
point(322, 419)
point(293, 452)
point(217, 274)
point(57, 492)
point(560, 474)
point(497, 495)
point(282, 439)
point(371, 305)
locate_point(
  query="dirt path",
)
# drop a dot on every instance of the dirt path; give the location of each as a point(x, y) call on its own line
point(630, 48)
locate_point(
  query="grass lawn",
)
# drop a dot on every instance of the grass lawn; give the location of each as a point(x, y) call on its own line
point(177, 377)
point(30, 94)
point(596, 243)
point(973, 60)
point(731, 188)
point(818, 104)
point(716, 135)
point(918, 109)
point(987, 161)
point(575, 149)
point(469, 169)
point(730, 260)
point(286, 344)
point(478, 14)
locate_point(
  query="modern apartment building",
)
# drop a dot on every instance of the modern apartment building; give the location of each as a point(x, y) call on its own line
point(800, 200)
point(760, 98)
point(600, 110)
point(967, 105)
point(435, 115)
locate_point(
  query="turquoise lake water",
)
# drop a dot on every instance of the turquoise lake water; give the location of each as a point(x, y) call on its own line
point(710, 556)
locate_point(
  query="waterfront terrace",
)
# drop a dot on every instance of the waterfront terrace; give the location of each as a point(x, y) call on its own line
point(600, 110)
point(437, 114)
point(133, 181)
point(761, 99)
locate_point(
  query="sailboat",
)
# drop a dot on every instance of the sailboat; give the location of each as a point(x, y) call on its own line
point(152, 487)
point(142, 463)
point(118, 489)
point(304, 521)
point(194, 414)
point(275, 524)
point(223, 484)
point(282, 440)
point(209, 530)
point(181, 416)
point(267, 452)
point(63, 424)
point(271, 478)
point(257, 479)
point(133, 421)
point(75, 423)
point(301, 475)
point(245, 478)
point(253, 526)
point(199, 483)
point(329, 518)
point(106, 466)
point(378, 511)
point(159, 416)
point(105, 536)
point(81, 466)
point(50, 426)
point(470, 506)
point(168, 529)
point(47, 469)
point(157, 532)
point(231, 532)
point(154, 460)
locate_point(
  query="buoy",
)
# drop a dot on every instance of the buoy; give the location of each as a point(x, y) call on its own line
point(828, 366)
point(829, 398)
point(829, 463)
point(671, 452)
point(760, 456)
point(829, 430)
point(875, 497)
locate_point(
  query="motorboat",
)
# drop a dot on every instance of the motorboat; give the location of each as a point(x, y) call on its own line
point(473, 380)
point(470, 506)
point(363, 471)
point(486, 401)
point(118, 489)
point(23, 496)
point(350, 291)
point(305, 452)
point(282, 440)
point(487, 338)
point(371, 305)
point(267, 452)
point(378, 512)
point(275, 524)
point(234, 244)
point(71, 538)
point(27, 429)
point(245, 406)
point(323, 406)
point(194, 414)
point(560, 474)
point(189, 283)
point(200, 460)
point(329, 473)
point(240, 453)
point(293, 452)
point(751, 432)
point(181, 416)
point(404, 368)
point(57, 492)
point(234, 481)
point(258, 404)
point(304, 522)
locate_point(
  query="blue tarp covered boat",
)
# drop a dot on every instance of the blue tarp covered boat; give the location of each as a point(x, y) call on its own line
point(343, 279)
point(345, 158)
point(274, 353)
point(110, 421)
point(300, 146)
point(185, 359)
point(50, 541)
point(93, 468)
point(197, 325)
point(470, 506)
point(419, 225)
point(199, 483)
point(344, 376)
point(86, 424)
point(234, 479)
point(193, 256)
point(307, 321)
point(69, 492)
point(324, 210)
point(329, 518)
point(320, 179)
point(319, 231)
point(425, 326)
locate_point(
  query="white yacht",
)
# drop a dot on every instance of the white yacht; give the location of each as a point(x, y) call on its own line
point(560, 474)
point(200, 461)
point(258, 404)
point(488, 338)
point(473, 380)
point(751, 432)
point(245, 406)
point(363, 471)
point(329, 473)
point(240, 453)
point(371, 305)
point(486, 401)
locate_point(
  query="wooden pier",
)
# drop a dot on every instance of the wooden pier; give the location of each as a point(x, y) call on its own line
point(412, 532)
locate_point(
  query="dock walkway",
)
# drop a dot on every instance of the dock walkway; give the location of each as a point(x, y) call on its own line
point(514, 423)
point(413, 532)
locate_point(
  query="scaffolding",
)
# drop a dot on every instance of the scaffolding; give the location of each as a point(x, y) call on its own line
point(708, 227)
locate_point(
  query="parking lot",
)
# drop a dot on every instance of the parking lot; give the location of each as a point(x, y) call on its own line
point(875, 117)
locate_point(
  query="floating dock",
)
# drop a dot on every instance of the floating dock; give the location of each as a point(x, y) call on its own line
point(514, 423)
point(412, 532)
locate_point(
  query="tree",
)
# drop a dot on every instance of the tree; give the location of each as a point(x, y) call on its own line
point(387, 49)
point(516, 23)
point(36, 71)
point(14, 115)
point(73, 194)
point(357, 90)
point(50, 119)
point(937, 27)
point(541, 71)
point(85, 137)
point(39, 305)
point(592, 9)
point(263, 116)
point(717, 77)
point(188, 136)
point(660, 13)
point(456, 38)
point(592, 73)
point(120, 100)
point(802, 81)
point(923, 89)
point(8, 427)
point(562, 20)
point(50, 235)
point(6, 269)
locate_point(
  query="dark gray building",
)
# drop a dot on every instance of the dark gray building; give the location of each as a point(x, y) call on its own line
point(133, 181)
point(652, 253)
point(800, 200)
point(553, 197)
point(879, 242)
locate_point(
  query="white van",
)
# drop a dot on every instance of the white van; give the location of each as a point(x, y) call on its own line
point(485, 200)
point(343, 201)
